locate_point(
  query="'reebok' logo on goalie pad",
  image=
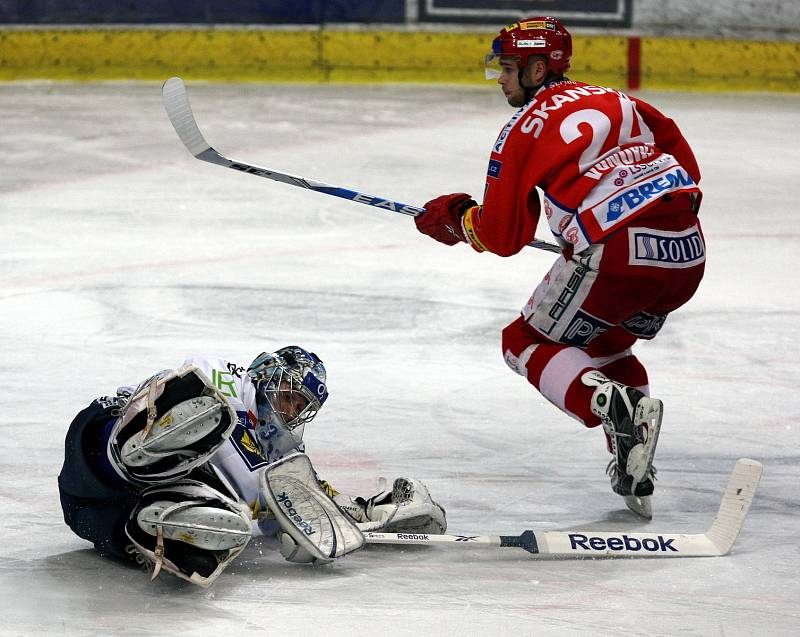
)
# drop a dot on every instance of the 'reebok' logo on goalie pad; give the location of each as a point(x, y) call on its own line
point(286, 503)
point(305, 511)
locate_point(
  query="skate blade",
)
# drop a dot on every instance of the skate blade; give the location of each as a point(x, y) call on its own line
point(640, 505)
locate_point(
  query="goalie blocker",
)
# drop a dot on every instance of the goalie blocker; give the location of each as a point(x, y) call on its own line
point(313, 527)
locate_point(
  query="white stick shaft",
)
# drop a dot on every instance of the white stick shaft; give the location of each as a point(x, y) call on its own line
point(571, 544)
point(373, 537)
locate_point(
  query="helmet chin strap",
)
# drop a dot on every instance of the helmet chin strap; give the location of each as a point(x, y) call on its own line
point(548, 79)
point(530, 91)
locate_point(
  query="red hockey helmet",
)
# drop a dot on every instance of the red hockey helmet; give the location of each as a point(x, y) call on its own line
point(534, 36)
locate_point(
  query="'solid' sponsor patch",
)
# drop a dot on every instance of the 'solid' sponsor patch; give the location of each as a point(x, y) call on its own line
point(665, 249)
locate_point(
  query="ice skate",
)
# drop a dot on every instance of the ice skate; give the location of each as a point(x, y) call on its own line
point(632, 422)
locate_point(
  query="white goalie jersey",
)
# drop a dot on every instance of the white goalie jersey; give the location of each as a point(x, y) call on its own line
point(241, 459)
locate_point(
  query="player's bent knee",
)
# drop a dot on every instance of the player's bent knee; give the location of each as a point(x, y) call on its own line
point(189, 529)
point(514, 337)
point(171, 424)
point(519, 340)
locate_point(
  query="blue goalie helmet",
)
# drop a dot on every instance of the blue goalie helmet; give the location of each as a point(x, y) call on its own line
point(290, 390)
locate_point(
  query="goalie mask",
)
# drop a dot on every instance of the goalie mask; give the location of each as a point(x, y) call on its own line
point(290, 389)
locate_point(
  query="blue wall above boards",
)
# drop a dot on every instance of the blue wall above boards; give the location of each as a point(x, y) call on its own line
point(201, 11)
point(596, 13)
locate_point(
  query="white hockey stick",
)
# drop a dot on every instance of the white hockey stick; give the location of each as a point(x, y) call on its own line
point(176, 103)
point(717, 541)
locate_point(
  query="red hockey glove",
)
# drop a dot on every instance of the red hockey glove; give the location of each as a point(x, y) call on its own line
point(442, 218)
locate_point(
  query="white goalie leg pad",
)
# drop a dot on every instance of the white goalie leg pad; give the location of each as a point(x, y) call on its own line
point(190, 529)
point(172, 423)
point(182, 426)
point(408, 507)
point(313, 526)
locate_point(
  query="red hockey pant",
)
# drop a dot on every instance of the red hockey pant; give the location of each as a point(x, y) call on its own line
point(590, 309)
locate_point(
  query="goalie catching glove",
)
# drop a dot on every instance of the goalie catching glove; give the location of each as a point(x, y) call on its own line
point(406, 507)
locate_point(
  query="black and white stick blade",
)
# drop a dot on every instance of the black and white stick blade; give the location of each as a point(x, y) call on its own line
point(176, 103)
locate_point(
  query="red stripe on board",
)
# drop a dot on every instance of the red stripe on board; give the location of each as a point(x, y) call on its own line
point(634, 63)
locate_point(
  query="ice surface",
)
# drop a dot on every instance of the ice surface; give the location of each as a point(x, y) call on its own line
point(120, 254)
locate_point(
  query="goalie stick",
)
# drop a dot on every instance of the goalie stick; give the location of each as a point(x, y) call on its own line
point(176, 103)
point(717, 541)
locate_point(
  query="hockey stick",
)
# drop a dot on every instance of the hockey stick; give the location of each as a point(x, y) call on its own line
point(176, 103)
point(717, 541)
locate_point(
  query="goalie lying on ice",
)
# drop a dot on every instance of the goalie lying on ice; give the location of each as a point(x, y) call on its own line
point(181, 471)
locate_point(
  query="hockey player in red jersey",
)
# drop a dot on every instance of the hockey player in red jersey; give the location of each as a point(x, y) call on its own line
point(619, 191)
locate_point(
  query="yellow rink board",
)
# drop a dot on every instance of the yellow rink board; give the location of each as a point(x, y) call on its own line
point(376, 56)
point(720, 65)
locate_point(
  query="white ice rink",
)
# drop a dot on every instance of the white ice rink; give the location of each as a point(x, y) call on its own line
point(120, 254)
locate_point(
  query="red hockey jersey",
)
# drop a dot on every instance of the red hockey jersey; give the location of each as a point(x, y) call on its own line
point(600, 157)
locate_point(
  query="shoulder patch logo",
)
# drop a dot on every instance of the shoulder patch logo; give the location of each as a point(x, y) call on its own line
point(248, 443)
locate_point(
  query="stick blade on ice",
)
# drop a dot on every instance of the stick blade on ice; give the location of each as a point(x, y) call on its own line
point(735, 504)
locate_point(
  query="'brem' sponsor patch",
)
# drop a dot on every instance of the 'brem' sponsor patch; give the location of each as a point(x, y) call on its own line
point(665, 249)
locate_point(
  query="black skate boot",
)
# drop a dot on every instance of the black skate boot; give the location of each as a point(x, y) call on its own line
point(632, 422)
